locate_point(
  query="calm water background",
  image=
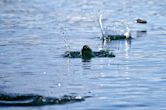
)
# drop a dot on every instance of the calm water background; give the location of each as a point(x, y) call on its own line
point(32, 34)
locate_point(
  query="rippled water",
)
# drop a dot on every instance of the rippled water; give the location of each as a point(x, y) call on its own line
point(32, 41)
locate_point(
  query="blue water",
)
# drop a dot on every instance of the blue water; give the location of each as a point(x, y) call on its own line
point(32, 34)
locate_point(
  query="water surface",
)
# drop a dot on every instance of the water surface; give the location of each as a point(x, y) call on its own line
point(32, 37)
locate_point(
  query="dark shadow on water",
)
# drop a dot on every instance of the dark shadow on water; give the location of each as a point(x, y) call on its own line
point(129, 105)
point(86, 64)
point(37, 100)
point(141, 33)
point(86, 60)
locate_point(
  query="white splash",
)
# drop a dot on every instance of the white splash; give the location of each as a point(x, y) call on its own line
point(104, 34)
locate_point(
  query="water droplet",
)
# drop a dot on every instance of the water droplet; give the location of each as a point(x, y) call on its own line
point(59, 84)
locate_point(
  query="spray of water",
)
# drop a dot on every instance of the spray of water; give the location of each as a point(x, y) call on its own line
point(66, 43)
point(128, 30)
point(64, 37)
point(101, 26)
point(127, 33)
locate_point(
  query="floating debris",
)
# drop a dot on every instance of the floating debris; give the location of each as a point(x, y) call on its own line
point(141, 21)
point(37, 100)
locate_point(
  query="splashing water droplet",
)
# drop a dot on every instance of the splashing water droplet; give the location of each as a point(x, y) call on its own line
point(59, 84)
point(114, 28)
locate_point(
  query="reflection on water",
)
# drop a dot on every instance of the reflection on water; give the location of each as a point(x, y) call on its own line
point(86, 64)
point(127, 47)
point(121, 45)
point(142, 33)
point(116, 45)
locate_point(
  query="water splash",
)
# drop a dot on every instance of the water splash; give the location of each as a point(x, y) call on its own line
point(64, 37)
point(101, 26)
point(67, 45)
point(114, 29)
